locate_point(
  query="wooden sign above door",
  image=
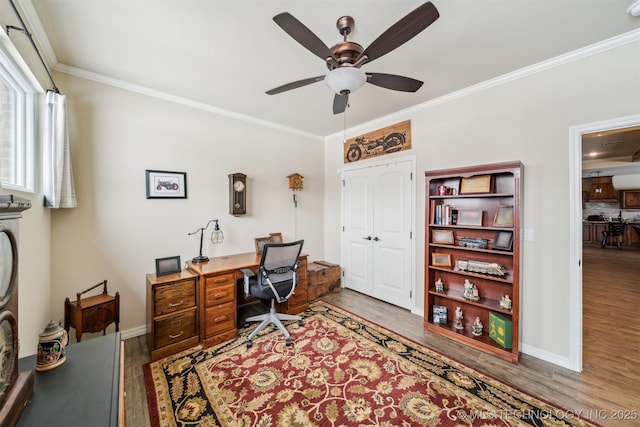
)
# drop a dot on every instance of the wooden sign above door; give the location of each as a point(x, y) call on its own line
point(390, 139)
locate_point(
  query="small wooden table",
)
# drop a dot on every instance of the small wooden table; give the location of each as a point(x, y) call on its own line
point(92, 314)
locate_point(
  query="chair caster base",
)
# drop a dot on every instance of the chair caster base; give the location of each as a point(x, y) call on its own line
point(249, 343)
point(287, 342)
point(246, 324)
point(300, 323)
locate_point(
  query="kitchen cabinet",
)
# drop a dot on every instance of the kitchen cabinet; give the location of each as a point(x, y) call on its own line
point(630, 199)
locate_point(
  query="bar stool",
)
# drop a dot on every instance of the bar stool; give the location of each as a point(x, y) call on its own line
point(615, 232)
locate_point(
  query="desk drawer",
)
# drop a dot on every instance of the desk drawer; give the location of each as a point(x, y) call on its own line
point(220, 318)
point(174, 297)
point(219, 293)
point(220, 279)
point(175, 328)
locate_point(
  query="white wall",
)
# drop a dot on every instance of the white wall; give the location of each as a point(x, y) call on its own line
point(527, 119)
point(115, 233)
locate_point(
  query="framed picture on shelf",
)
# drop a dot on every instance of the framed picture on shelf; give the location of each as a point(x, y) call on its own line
point(166, 185)
point(504, 217)
point(470, 217)
point(168, 265)
point(443, 237)
point(260, 242)
point(503, 241)
point(275, 237)
point(440, 260)
point(475, 184)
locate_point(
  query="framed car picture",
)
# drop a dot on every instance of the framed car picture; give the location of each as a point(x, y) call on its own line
point(166, 184)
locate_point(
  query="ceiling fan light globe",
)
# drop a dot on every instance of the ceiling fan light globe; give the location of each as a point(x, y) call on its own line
point(347, 79)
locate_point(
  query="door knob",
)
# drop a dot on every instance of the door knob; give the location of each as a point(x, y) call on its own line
point(376, 239)
point(367, 238)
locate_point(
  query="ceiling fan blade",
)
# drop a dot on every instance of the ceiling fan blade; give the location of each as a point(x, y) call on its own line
point(294, 85)
point(402, 31)
point(394, 82)
point(340, 103)
point(300, 33)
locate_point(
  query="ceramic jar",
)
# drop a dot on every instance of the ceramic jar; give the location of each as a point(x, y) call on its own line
point(51, 344)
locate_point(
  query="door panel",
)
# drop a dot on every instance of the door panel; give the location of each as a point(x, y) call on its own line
point(377, 206)
point(357, 242)
point(392, 253)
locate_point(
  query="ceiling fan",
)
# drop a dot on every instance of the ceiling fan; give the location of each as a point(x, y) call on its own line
point(345, 59)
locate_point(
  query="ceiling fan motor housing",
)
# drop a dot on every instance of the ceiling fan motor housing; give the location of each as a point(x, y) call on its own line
point(346, 54)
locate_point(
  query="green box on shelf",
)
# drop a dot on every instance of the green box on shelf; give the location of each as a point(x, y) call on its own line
point(500, 329)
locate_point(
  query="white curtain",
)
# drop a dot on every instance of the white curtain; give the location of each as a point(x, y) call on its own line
point(59, 191)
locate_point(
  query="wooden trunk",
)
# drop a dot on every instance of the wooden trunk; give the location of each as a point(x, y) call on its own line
point(322, 278)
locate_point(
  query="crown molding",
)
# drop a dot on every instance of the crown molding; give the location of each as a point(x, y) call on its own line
point(32, 19)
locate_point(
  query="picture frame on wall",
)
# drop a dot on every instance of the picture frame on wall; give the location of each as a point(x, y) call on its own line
point(168, 265)
point(166, 184)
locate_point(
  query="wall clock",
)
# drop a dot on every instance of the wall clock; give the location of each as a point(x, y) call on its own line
point(295, 181)
point(237, 194)
point(15, 387)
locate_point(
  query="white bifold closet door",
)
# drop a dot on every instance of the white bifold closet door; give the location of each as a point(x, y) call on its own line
point(377, 236)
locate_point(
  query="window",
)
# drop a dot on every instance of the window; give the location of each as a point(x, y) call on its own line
point(18, 94)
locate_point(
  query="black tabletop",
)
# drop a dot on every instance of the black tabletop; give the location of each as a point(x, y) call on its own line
point(83, 391)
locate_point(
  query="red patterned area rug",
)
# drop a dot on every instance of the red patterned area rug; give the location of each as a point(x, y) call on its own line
point(340, 371)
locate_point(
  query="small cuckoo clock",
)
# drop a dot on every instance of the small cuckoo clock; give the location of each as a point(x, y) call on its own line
point(295, 181)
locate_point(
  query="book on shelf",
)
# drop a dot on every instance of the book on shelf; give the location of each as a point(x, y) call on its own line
point(439, 314)
point(445, 214)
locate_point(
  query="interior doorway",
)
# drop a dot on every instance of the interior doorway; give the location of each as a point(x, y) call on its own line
point(576, 311)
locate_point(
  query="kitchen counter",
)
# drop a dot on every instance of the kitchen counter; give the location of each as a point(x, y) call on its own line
point(592, 233)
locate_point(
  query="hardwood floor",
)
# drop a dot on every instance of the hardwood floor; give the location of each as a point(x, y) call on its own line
point(608, 387)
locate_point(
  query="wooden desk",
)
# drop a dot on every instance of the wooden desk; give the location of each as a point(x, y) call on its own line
point(221, 291)
point(86, 390)
point(199, 304)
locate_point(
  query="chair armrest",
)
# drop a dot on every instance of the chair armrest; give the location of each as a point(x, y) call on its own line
point(247, 272)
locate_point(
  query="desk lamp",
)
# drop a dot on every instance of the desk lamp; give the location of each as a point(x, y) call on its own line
point(216, 237)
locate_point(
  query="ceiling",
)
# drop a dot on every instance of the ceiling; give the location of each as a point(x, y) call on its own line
point(224, 55)
point(611, 152)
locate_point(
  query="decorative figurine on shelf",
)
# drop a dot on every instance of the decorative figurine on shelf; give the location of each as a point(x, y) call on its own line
point(477, 327)
point(470, 291)
point(439, 285)
point(505, 302)
point(458, 322)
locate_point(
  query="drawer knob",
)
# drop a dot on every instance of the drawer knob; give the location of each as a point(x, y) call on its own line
point(173, 337)
point(176, 304)
point(220, 295)
point(220, 319)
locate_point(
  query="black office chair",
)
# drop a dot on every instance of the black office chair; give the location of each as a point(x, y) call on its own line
point(615, 231)
point(275, 281)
